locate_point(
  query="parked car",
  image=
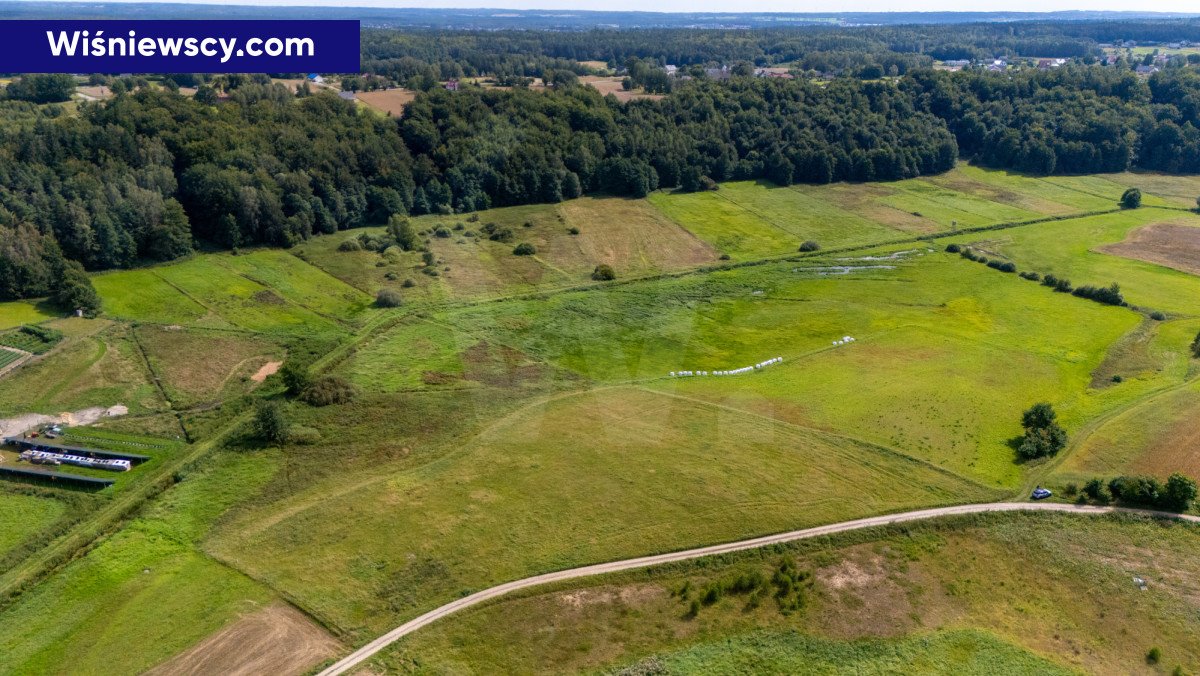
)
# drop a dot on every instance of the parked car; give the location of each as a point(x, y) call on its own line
point(1040, 493)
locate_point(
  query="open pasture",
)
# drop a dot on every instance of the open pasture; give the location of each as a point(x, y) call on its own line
point(100, 370)
point(144, 594)
point(23, 515)
point(938, 338)
point(588, 477)
point(1021, 593)
point(1075, 249)
point(18, 312)
point(198, 366)
point(266, 291)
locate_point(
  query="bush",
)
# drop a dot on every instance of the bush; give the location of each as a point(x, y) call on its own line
point(408, 283)
point(350, 245)
point(1118, 379)
point(1157, 316)
point(810, 245)
point(388, 298)
point(473, 218)
point(1109, 296)
point(1007, 267)
point(528, 224)
point(1131, 199)
point(303, 436)
point(1196, 346)
point(1153, 655)
point(442, 232)
point(953, 248)
point(498, 233)
point(604, 273)
point(1043, 435)
point(1031, 276)
point(573, 231)
point(724, 257)
point(1095, 490)
point(524, 249)
point(328, 390)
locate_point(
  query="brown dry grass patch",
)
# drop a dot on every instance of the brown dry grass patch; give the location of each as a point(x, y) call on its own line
point(390, 101)
point(1167, 244)
point(612, 85)
point(276, 640)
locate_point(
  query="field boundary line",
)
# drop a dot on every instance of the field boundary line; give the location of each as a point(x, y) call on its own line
point(367, 651)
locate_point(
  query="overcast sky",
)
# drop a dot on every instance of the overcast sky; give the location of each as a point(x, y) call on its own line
point(1190, 6)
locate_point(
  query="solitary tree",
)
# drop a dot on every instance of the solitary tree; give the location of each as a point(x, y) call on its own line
point(269, 423)
point(1131, 199)
point(1043, 435)
point(603, 273)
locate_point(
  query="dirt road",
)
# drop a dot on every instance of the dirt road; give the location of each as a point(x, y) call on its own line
point(364, 653)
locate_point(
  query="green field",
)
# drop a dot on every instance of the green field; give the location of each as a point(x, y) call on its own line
point(16, 313)
point(22, 516)
point(514, 417)
point(142, 595)
point(99, 370)
point(1002, 594)
point(590, 477)
point(262, 291)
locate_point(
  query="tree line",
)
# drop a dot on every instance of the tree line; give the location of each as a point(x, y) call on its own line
point(145, 176)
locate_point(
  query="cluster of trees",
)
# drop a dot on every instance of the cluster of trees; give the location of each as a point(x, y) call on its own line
point(41, 88)
point(1177, 494)
point(1043, 435)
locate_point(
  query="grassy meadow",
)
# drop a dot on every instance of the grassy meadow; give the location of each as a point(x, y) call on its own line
point(603, 475)
point(1022, 593)
point(514, 417)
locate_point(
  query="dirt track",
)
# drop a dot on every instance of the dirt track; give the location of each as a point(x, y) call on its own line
point(364, 653)
point(11, 427)
point(277, 640)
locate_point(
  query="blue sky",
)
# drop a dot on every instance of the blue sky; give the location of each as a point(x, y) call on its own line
point(1190, 6)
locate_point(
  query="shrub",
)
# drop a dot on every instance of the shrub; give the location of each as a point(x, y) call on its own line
point(724, 257)
point(693, 609)
point(953, 248)
point(604, 273)
point(810, 245)
point(459, 226)
point(1153, 655)
point(1043, 435)
point(573, 231)
point(1157, 316)
point(388, 298)
point(528, 224)
point(1071, 489)
point(712, 594)
point(427, 257)
point(303, 436)
point(1062, 286)
point(1196, 346)
point(1031, 276)
point(402, 232)
point(1118, 379)
point(1007, 266)
point(328, 390)
point(295, 377)
point(408, 283)
point(473, 218)
point(350, 245)
point(498, 233)
point(1131, 199)
point(1096, 490)
point(524, 249)
point(442, 231)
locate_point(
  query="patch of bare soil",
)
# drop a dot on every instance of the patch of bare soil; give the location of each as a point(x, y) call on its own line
point(10, 427)
point(866, 594)
point(1167, 244)
point(500, 365)
point(269, 297)
point(277, 640)
point(268, 369)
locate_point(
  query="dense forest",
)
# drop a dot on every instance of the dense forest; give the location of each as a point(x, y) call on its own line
point(150, 173)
